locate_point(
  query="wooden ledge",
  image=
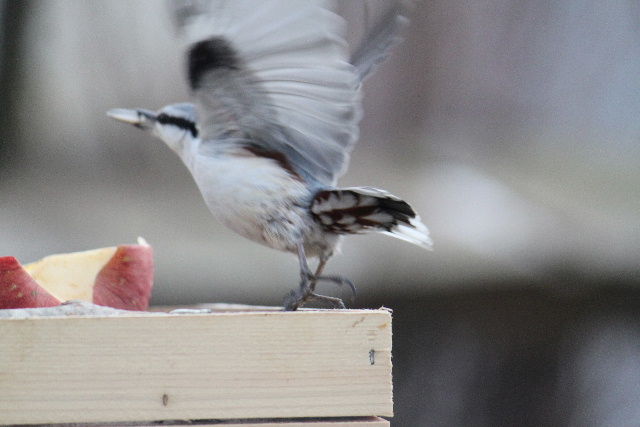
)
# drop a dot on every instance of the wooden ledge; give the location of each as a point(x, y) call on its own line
point(300, 422)
point(110, 366)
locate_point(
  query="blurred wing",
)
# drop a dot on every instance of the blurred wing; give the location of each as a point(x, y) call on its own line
point(374, 27)
point(292, 88)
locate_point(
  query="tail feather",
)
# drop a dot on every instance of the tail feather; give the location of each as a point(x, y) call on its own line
point(362, 209)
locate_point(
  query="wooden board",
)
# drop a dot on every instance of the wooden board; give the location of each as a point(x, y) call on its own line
point(255, 364)
point(359, 422)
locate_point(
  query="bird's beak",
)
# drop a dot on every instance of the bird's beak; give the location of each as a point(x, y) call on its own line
point(143, 119)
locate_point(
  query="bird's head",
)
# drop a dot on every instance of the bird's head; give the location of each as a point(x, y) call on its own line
point(174, 124)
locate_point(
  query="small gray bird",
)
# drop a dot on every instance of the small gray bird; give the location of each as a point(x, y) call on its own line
point(277, 104)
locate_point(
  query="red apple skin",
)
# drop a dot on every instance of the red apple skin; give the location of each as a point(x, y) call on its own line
point(126, 281)
point(19, 290)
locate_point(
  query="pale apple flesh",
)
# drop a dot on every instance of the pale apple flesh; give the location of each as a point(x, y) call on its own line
point(70, 276)
point(119, 277)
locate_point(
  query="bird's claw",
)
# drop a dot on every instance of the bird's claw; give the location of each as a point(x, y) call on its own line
point(297, 299)
point(338, 280)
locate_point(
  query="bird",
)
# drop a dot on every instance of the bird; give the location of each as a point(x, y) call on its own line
point(276, 101)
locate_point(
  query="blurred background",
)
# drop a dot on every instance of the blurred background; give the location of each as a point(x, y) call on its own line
point(511, 126)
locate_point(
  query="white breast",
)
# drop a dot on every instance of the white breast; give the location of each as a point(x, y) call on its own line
point(254, 196)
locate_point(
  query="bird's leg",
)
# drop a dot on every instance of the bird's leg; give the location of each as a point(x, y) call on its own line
point(314, 281)
point(339, 280)
point(308, 283)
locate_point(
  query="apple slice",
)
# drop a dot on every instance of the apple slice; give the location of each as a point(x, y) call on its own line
point(119, 277)
point(19, 290)
point(70, 276)
point(126, 279)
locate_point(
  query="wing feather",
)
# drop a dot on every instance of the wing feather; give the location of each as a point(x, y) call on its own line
point(294, 90)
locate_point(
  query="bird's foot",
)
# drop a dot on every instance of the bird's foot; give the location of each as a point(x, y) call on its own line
point(297, 299)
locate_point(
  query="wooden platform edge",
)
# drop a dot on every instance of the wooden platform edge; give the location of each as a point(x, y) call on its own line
point(221, 363)
point(313, 422)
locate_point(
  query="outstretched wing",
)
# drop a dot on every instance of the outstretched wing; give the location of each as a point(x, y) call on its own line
point(374, 27)
point(278, 74)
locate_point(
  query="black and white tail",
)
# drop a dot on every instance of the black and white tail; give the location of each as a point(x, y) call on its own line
point(361, 209)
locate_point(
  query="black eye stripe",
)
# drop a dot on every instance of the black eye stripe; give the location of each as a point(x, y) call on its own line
point(179, 122)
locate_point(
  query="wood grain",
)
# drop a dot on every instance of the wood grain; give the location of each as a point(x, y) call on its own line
point(260, 364)
point(359, 422)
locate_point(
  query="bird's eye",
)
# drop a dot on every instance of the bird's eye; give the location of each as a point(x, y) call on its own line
point(180, 122)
